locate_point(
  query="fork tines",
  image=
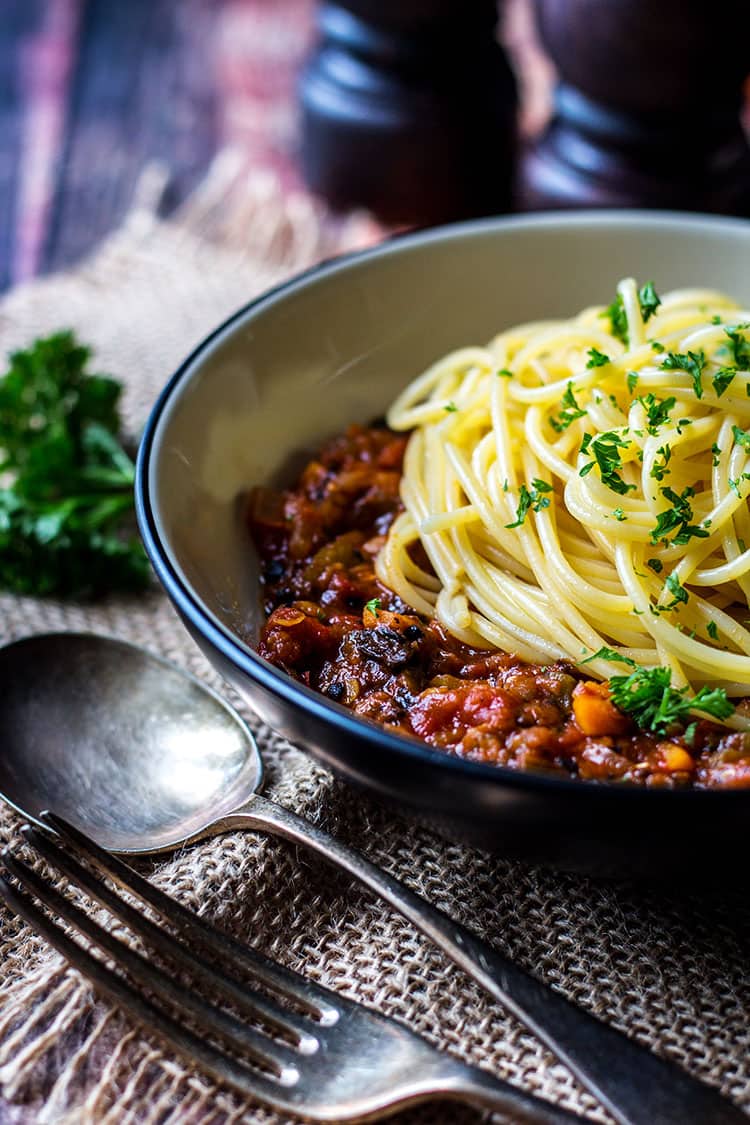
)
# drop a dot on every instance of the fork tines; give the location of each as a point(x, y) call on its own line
point(281, 1039)
point(280, 1033)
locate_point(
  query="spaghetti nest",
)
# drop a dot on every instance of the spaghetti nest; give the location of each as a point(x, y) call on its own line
point(580, 490)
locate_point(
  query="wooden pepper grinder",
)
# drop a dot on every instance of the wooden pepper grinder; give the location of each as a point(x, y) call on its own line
point(647, 112)
point(408, 108)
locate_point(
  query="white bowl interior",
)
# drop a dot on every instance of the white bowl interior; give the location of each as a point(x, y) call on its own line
point(336, 346)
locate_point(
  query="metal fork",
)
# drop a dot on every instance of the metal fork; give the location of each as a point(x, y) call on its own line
point(301, 1048)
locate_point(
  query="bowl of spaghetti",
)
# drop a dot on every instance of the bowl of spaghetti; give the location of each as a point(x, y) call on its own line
point(466, 516)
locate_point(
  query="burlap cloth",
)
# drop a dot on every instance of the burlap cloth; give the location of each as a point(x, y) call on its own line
point(671, 970)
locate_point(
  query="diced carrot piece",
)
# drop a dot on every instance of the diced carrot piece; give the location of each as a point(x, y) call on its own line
point(595, 712)
point(677, 758)
point(287, 617)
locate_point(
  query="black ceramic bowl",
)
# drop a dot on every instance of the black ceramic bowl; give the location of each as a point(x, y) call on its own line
point(334, 346)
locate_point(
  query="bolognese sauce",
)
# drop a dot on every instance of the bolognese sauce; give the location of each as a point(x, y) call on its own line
point(333, 626)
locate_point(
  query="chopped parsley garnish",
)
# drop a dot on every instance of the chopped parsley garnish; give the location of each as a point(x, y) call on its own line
point(597, 358)
point(659, 469)
point(677, 518)
point(66, 525)
point(506, 374)
point(619, 514)
point(649, 301)
point(654, 705)
point(735, 482)
point(657, 347)
point(722, 379)
point(373, 605)
point(618, 319)
point(605, 449)
point(740, 346)
point(742, 437)
point(535, 500)
point(713, 630)
point(451, 407)
point(716, 454)
point(606, 653)
point(632, 380)
point(657, 411)
point(691, 362)
point(569, 413)
point(678, 592)
point(716, 319)
point(656, 565)
point(540, 486)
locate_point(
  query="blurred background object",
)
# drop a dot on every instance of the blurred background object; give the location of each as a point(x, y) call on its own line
point(91, 90)
point(647, 108)
point(409, 109)
point(404, 106)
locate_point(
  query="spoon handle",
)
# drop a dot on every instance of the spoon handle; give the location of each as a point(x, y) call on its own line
point(635, 1085)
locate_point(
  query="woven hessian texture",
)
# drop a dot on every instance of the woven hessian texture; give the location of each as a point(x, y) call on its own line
point(671, 970)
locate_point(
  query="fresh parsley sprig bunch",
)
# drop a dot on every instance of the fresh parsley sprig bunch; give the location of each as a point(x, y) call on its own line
point(66, 500)
point(647, 695)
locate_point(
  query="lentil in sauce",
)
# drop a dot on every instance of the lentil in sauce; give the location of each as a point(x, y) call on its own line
point(333, 626)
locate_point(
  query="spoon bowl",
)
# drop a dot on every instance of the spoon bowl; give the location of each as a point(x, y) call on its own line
point(128, 748)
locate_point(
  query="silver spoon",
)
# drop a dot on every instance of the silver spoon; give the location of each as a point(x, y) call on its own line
point(144, 758)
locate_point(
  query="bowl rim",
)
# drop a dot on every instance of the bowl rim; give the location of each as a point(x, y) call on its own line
point(273, 679)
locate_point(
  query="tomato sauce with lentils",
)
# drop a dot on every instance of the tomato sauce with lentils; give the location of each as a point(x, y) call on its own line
point(333, 626)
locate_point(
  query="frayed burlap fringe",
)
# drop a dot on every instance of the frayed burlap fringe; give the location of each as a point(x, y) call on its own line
point(671, 971)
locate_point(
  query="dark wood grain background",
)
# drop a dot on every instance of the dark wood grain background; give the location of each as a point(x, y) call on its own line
point(90, 90)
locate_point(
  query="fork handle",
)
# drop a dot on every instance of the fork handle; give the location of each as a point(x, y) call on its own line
point(635, 1085)
point(482, 1090)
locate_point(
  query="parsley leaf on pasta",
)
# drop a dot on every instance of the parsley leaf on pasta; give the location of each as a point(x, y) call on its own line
point(659, 468)
point(740, 346)
point(597, 358)
point(677, 590)
point(677, 518)
point(606, 653)
point(535, 500)
point(722, 379)
point(742, 437)
point(605, 449)
point(569, 413)
point(691, 362)
point(649, 301)
point(657, 411)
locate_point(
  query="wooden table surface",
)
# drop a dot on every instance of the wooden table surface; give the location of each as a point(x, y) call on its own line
point(90, 90)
